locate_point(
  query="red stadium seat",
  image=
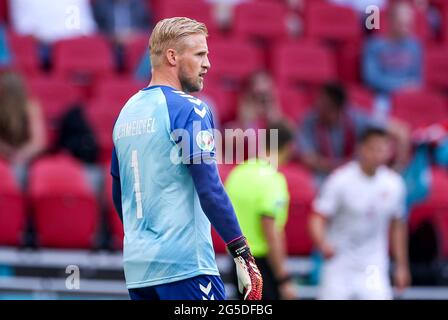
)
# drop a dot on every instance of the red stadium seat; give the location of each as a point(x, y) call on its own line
point(332, 22)
point(445, 22)
point(294, 103)
point(419, 108)
point(349, 63)
point(4, 10)
point(117, 89)
point(102, 114)
point(195, 9)
point(304, 62)
point(55, 96)
point(219, 100)
point(84, 56)
point(64, 206)
point(361, 97)
point(12, 209)
point(441, 226)
point(25, 53)
point(224, 171)
point(233, 60)
point(248, 15)
point(218, 244)
point(114, 222)
point(134, 50)
point(302, 191)
point(436, 67)
point(436, 203)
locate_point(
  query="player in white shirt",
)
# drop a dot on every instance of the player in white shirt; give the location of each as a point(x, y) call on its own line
point(350, 224)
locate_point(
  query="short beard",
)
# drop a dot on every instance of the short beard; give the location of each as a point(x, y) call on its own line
point(187, 84)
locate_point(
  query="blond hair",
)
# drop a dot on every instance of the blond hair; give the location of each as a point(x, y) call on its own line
point(169, 32)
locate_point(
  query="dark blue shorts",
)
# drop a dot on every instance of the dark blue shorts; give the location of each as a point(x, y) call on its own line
point(202, 287)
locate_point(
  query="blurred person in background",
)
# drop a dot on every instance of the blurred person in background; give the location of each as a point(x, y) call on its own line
point(5, 51)
point(393, 61)
point(327, 136)
point(121, 21)
point(259, 104)
point(260, 197)
point(50, 20)
point(360, 5)
point(223, 11)
point(350, 225)
point(143, 70)
point(22, 128)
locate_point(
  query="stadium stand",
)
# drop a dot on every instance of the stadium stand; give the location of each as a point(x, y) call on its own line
point(25, 53)
point(304, 62)
point(60, 203)
point(85, 56)
point(411, 106)
point(296, 232)
point(55, 96)
point(435, 204)
point(196, 9)
point(332, 23)
point(247, 17)
point(436, 67)
point(65, 211)
point(294, 103)
point(113, 221)
point(12, 208)
point(223, 50)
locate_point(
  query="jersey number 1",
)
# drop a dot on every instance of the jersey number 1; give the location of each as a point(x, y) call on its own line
point(137, 189)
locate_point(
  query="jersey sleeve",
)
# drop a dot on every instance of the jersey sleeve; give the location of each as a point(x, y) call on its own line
point(327, 201)
point(192, 128)
point(273, 200)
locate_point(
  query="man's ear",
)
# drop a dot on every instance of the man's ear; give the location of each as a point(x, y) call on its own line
point(171, 56)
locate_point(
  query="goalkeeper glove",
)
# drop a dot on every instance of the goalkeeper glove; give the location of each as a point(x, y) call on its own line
point(250, 282)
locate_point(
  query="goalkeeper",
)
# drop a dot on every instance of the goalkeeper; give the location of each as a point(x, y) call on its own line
point(166, 186)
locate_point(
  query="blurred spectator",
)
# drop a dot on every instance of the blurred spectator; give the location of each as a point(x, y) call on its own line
point(263, 212)
point(360, 5)
point(393, 61)
point(5, 52)
point(22, 128)
point(327, 135)
point(259, 104)
point(350, 225)
point(50, 20)
point(121, 21)
point(76, 136)
point(223, 11)
point(143, 71)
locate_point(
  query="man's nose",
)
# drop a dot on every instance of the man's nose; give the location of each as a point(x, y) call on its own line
point(206, 64)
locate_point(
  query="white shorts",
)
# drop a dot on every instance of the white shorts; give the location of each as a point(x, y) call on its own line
point(339, 283)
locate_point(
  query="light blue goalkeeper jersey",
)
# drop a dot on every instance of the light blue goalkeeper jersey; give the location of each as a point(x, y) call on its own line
point(167, 235)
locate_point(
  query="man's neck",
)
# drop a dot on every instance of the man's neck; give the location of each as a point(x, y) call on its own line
point(159, 79)
point(367, 170)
